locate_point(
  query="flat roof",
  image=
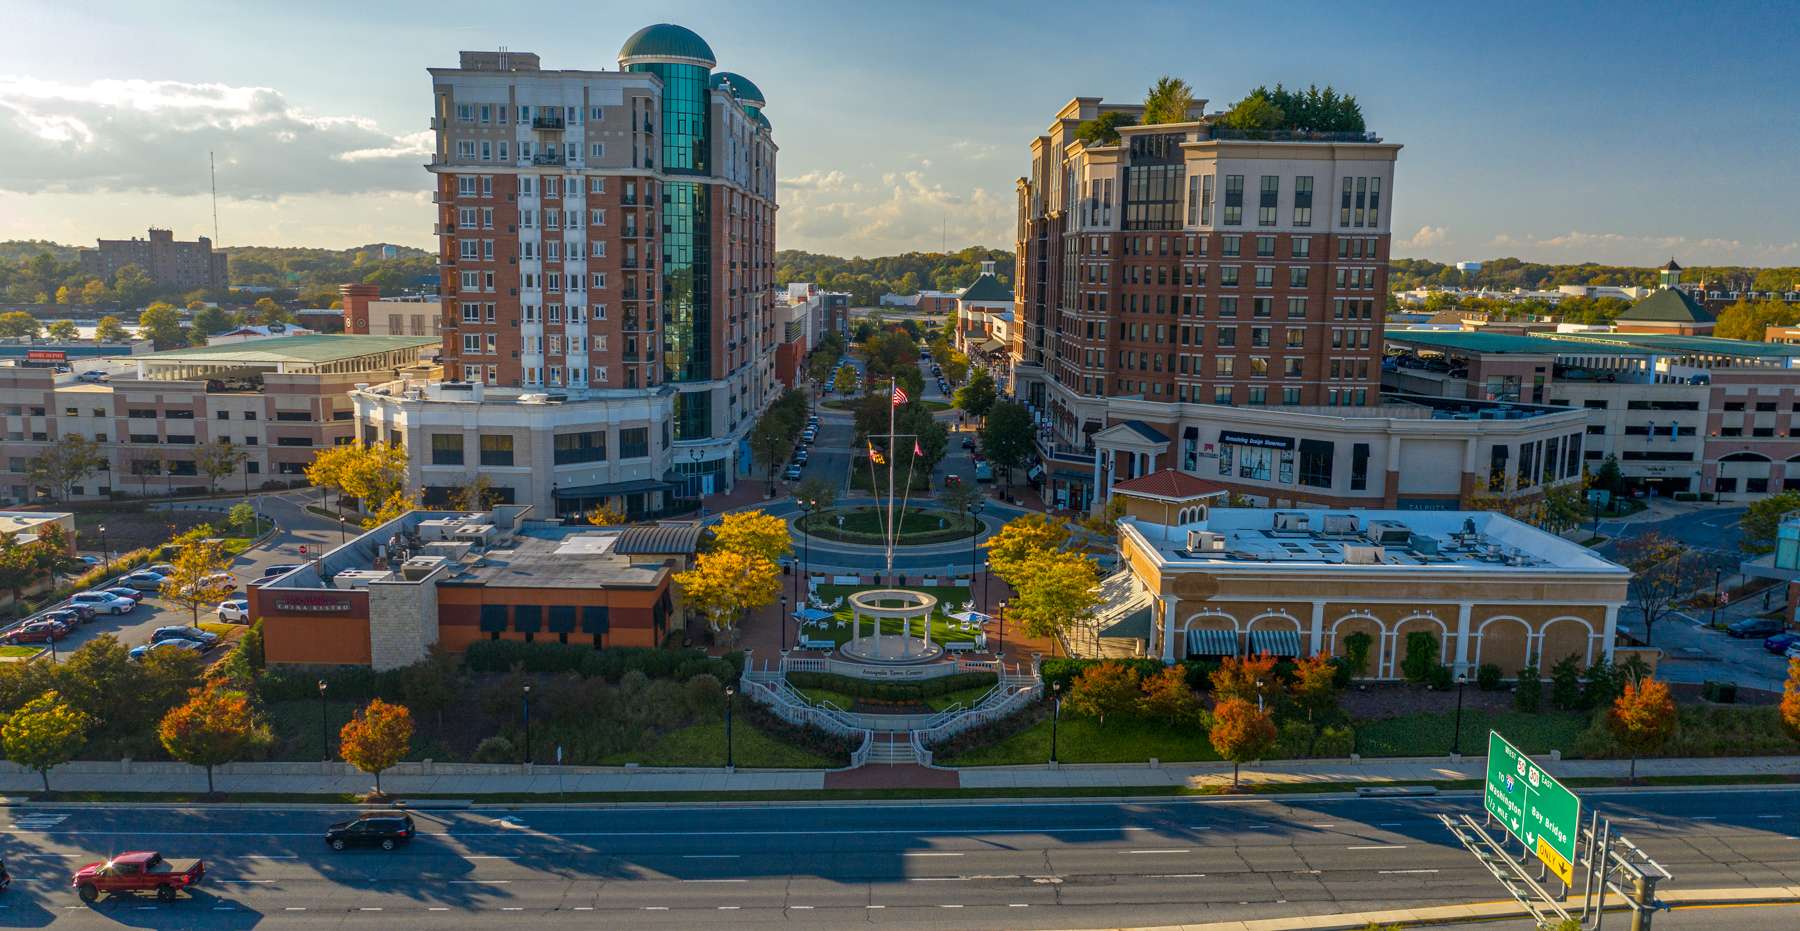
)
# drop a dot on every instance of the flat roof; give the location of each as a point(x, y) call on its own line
point(1501, 343)
point(575, 560)
point(1668, 343)
point(24, 521)
point(316, 349)
point(1432, 541)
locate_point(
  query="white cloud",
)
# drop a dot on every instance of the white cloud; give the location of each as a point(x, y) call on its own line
point(153, 137)
point(1633, 249)
point(905, 211)
point(819, 181)
point(1428, 236)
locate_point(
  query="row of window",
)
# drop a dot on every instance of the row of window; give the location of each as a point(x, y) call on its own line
point(1230, 245)
point(496, 449)
point(1195, 306)
point(543, 117)
point(485, 150)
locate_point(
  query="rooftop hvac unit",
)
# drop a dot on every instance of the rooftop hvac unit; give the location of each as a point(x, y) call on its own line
point(1388, 533)
point(357, 578)
point(1362, 554)
point(477, 535)
point(438, 528)
point(1425, 546)
point(1292, 522)
point(1205, 541)
point(1341, 524)
point(419, 567)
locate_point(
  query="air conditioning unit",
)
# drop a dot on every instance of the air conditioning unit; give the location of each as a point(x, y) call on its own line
point(1362, 554)
point(419, 567)
point(357, 578)
point(1292, 522)
point(1205, 541)
point(1389, 533)
point(1341, 524)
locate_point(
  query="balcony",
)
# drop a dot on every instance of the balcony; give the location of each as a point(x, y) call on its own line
point(547, 158)
point(547, 122)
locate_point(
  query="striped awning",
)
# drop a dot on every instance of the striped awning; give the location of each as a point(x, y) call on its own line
point(1275, 642)
point(1211, 642)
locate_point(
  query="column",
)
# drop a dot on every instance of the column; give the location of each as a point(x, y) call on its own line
point(1463, 611)
point(1610, 632)
point(1318, 627)
point(1168, 644)
point(1099, 459)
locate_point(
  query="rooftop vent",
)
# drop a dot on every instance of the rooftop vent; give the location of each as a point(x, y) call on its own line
point(1292, 522)
point(358, 578)
point(1360, 554)
point(419, 567)
point(1205, 541)
point(1341, 524)
point(1388, 533)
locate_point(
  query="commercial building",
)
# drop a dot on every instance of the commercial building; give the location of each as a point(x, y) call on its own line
point(607, 244)
point(277, 400)
point(24, 527)
point(366, 313)
point(1681, 414)
point(445, 579)
point(1232, 581)
point(984, 315)
point(174, 266)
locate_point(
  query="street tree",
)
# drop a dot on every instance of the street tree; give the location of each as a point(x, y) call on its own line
point(816, 493)
point(110, 329)
point(1007, 436)
point(1314, 685)
point(1642, 719)
point(1168, 697)
point(962, 498)
point(199, 578)
point(845, 380)
point(45, 732)
point(605, 515)
point(379, 736)
point(977, 397)
point(217, 459)
point(211, 318)
point(214, 726)
point(1022, 540)
point(1246, 678)
point(1762, 519)
point(769, 441)
point(242, 517)
point(59, 466)
point(753, 533)
point(1059, 590)
point(62, 330)
point(723, 584)
point(1103, 689)
point(1241, 733)
point(17, 324)
point(1790, 700)
point(161, 323)
point(1663, 571)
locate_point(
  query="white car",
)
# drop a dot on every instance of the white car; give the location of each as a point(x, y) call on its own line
point(104, 602)
point(235, 611)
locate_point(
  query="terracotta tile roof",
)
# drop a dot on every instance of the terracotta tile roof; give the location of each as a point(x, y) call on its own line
point(1170, 483)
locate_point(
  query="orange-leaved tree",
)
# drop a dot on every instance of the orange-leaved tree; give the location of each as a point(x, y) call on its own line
point(1103, 689)
point(377, 738)
point(1167, 696)
point(1315, 685)
point(1642, 719)
point(1241, 733)
point(1790, 699)
point(1246, 678)
point(215, 725)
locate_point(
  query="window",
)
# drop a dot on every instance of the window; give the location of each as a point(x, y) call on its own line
point(1234, 200)
point(1297, 276)
point(1206, 200)
point(1359, 467)
point(580, 447)
point(634, 443)
point(496, 449)
point(289, 440)
point(1265, 246)
point(1231, 245)
point(1268, 199)
point(1303, 191)
point(294, 416)
point(446, 449)
point(1316, 462)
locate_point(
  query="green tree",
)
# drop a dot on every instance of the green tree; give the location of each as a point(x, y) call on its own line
point(1663, 571)
point(132, 286)
point(1060, 590)
point(1609, 477)
point(1103, 129)
point(110, 329)
point(62, 330)
point(1421, 657)
point(17, 324)
point(845, 381)
point(1168, 101)
point(46, 732)
point(770, 439)
point(1007, 436)
point(242, 516)
point(1565, 683)
point(1528, 691)
point(161, 322)
point(217, 459)
point(1254, 114)
point(59, 467)
point(1015, 547)
point(211, 319)
point(1761, 520)
point(977, 397)
point(94, 292)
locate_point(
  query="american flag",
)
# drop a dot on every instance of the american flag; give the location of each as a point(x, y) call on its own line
point(899, 396)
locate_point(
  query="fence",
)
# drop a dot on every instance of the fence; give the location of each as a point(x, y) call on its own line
point(883, 673)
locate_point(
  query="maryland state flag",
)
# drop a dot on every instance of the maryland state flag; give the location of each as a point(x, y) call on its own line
point(876, 457)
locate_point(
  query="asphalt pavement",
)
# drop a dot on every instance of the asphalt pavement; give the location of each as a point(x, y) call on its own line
point(904, 865)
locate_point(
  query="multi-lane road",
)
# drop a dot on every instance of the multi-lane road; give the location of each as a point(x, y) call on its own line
point(901, 865)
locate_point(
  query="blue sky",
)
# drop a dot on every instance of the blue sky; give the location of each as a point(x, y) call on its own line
point(1610, 132)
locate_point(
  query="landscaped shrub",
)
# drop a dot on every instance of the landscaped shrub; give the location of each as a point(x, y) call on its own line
point(990, 734)
point(1293, 741)
point(1199, 673)
point(1565, 684)
point(1602, 683)
point(610, 664)
point(1064, 671)
point(1356, 652)
point(1421, 657)
point(809, 738)
point(1334, 740)
point(892, 691)
point(1487, 677)
point(496, 749)
point(1703, 732)
point(705, 696)
point(1441, 678)
point(343, 683)
point(1528, 693)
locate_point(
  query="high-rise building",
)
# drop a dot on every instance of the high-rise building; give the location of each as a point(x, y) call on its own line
point(174, 266)
point(607, 242)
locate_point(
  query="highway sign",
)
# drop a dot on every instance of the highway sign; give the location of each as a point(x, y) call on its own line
point(1534, 807)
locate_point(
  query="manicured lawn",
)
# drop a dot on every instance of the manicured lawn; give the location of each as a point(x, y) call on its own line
point(839, 699)
point(867, 525)
point(968, 697)
point(1083, 740)
point(19, 649)
point(943, 630)
point(704, 745)
point(1431, 734)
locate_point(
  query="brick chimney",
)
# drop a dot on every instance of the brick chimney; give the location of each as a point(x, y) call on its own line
point(356, 306)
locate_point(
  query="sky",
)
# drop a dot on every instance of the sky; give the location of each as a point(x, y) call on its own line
point(1609, 132)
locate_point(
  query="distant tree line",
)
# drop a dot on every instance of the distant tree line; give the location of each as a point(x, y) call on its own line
point(868, 279)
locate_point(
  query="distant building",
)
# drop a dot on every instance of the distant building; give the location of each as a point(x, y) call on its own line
point(174, 266)
point(1621, 292)
point(1669, 309)
point(365, 313)
point(1468, 268)
point(984, 312)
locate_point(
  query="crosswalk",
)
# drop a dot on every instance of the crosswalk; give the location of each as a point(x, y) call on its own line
point(38, 821)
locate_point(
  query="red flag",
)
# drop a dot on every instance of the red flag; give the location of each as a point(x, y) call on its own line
point(899, 396)
point(916, 450)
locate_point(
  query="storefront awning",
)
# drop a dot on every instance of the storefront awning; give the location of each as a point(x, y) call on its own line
point(1211, 642)
point(1133, 626)
point(613, 488)
point(1275, 642)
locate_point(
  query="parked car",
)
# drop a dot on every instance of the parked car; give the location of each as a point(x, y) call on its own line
point(80, 612)
point(36, 632)
point(1779, 643)
point(160, 568)
point(968, 442)
point(192, 646)
point(235, 611)
point(183, 632)
point(92, 376)
point(124, 592)
point(984, 472)
point(105, 602)
point(89, 561)
point(384, 829)
point(144, 580)
point(1757, 627)
point(68, 617)
point(138, 871)
point(273, 571)
point(792, 474)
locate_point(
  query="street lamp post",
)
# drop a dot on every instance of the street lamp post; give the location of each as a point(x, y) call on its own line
point(324, 729)
point(527, 699)
point(729, 692)
point(1000, 640)
point(807, 507)
point(784, 619)
point(1714, 621)
point(1055, 716)
point(105, 549)
point(699, 486)
point(1462, 679)
point(1259, 697)
point(343, 530)
point(987, 576)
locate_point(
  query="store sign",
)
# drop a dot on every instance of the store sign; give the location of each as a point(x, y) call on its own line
point(46, 355)
point(311, 603)
point(1257, 440)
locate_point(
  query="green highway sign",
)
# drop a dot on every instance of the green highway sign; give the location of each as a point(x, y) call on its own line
point(1534, 807)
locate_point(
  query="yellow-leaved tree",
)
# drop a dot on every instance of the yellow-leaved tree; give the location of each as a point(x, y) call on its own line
point(45, 732)
point(199, 577)
point(753, 533)
point(1023, 539)
point(723, 584)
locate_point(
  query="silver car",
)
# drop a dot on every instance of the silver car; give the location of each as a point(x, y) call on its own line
point(104, 602)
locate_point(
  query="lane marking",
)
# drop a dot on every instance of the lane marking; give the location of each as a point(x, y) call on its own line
point(729, 908)
point(1390, 824)
point(928, 853)
point(709, 856)
point(1401, 872)
point(1331, 824)
point(254, 881)
point(438, 908)
point(1377, 847)
point(937, 879)
point(295, 908)
point(1762, 817)
point(801, 908)
point(1705, 818)
point(1018, 905)
point(1174, 850)
point(1176, 876)
point(656, 908)
point(367, 908)
point(488, 857)
point(480, 882)
point(715, 880)
point(949, 906)
point(512, 908)
point(584, 908)
point(270, 856)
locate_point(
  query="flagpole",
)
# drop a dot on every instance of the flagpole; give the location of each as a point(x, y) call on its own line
point(892, 530)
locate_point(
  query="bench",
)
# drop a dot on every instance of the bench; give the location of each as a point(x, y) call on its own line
point(960, 646)
point(808, 643)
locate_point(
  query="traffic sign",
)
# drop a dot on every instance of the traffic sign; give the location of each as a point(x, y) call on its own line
point(1533, 806)
point(303, 549)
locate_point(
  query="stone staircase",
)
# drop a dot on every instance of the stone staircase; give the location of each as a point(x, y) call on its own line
point(892, 750)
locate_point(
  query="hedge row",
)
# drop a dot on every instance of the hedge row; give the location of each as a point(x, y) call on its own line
point(610, 664)
point(1198, 671)
point(891, 691)
point(805, 736)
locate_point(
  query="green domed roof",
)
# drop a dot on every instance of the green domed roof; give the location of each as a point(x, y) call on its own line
point(747, 92)
point(761, 119)
point(666, 41)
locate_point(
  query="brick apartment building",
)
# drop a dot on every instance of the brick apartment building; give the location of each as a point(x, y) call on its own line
point(607, 245)
point(174, 266)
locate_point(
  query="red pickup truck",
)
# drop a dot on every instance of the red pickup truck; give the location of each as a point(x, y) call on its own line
point(138, 871)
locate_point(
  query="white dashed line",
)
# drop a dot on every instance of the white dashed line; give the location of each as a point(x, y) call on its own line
point(295, 908)
point(1377, 847)
point(1018, 905)
point(1174, 850)
point(1401, 872)
point(584, 908)
point(949, 906)
point(1763, 817)
point(1390, 824)
point(928, 853)
point(874, 906)
point(656, 908)
point(801, 908)
point(270, 856)
point(484, 857)
point(253, 881)
point(728, 908)
point(438, 908)
point(512, 908)
point(715, 880)
point(1705, 818)
point(1326, 825)
point(480, 882)
point(367, 908)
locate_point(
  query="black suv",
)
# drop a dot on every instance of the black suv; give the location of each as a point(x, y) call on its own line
point(384, 829)
point(1756, 627)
